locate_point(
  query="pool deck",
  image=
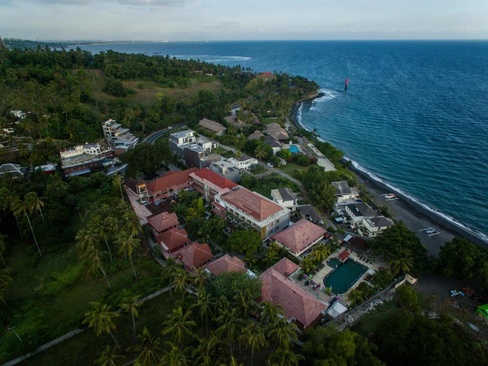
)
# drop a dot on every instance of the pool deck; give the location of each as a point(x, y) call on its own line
point(320, 275)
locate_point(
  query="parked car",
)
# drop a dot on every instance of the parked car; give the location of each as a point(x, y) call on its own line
point(270, 165)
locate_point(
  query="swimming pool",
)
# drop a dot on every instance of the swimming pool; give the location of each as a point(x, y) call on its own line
point(345, 276)
point(294, 149)
point(334, 262)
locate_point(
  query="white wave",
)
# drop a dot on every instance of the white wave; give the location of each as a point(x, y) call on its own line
point(429, 208)
point(212, 58)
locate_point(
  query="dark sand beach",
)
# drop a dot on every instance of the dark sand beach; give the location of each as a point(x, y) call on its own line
point(416, 217)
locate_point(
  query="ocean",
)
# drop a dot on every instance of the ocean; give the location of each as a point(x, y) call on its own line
point(414, 117)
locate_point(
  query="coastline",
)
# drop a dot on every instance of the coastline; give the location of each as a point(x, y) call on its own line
point(415, 216)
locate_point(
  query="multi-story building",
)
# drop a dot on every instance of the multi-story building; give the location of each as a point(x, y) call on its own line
point(285, 197)
point(117, 136)
point(84, 159)
point(244, 209)
point(209, 184)
point(244, 162)
point(226, 169)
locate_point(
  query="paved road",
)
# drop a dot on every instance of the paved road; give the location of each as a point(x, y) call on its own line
point(156, 135)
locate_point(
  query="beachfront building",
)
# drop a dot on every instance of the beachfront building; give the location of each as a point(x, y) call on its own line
point(274, 143)
point(277, 132)
point(244, 209)
point(212, 126)
point(244, 162)
point(285, 197)
point(209, 184)
point(118, 137)
point(357, 212)
point(256, 135)
point(299, 305)
point(84, 159)
point(344, 193)
point(300, 237)
point(371, 227)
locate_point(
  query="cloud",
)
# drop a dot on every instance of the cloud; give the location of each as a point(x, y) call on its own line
point(156, 3)
point(152, 3)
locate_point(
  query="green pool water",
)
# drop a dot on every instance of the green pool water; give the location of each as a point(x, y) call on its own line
point(334, 262)
point(344, 276)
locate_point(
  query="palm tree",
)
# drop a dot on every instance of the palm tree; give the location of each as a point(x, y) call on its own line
point(110, 356)
point(245, 301)
point(100, 318)
point(169, 271)
point(130, 305)
point(7, 198)
point(5, 280)
point(127, 245)
point(98, 227)
point(35, 203)
point(283, 332)
point(401, 261)
point(2, 248)
point(95, 261)
point(199, 277)
point(117, 183)
point(181, 280)
point(320, 253)
point(285, 357)
point(86, 239)
point(269, 312)
point(175, 356)
point(178, 326)
point(307, 264)
point(204, 305)
point(208, 351)
point(253, 337)
point(230, 325)
point(130, 222)
point(22, 208)
point(355, 296)
point(149, 350)
point(260, 152)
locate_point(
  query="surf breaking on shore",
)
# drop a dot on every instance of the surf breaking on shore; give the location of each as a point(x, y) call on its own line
point(437, 216)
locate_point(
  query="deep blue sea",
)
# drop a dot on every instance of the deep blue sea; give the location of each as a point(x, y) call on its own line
point(415, 115)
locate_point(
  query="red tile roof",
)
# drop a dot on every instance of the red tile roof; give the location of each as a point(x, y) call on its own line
point(163, 221)
point(297, 303)
point(286, 267)
point(300, 235)
point(172, 239)
point(344, 255)
point(194, 255)
point(212, 177)
point(253, 204)
point(170, 180)
point(226, 263)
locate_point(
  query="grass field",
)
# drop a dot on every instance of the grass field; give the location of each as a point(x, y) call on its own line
point(289, 168)
point(84, 348)
point(48, 297)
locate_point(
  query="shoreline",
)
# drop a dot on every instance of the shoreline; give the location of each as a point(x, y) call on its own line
point(415, 216)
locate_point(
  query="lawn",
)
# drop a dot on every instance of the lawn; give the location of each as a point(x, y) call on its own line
point(48, 297)
point(370, 322)
point(289, 168)
point(84, 348)
point(146, 95)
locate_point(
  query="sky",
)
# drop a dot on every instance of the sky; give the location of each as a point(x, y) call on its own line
point(191, 20)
